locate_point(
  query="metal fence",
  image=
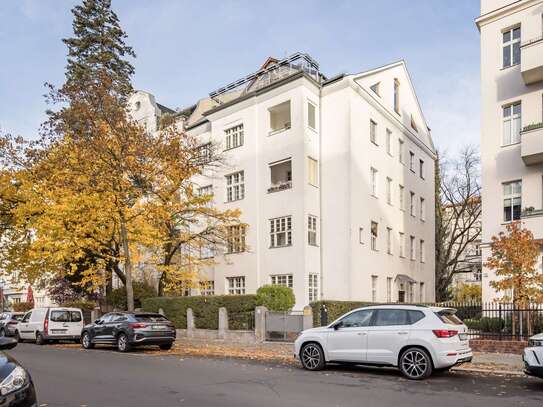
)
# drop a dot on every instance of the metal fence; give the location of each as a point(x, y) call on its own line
point(283, 326)
point(241, 321)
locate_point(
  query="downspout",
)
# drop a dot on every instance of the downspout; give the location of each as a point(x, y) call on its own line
point(321, 240)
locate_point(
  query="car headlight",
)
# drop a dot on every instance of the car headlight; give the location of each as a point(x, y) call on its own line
point(16, 379)
point(535, 342)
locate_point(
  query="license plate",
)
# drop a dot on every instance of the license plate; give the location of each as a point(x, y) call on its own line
point(158, 328)
point(463, 336)
point(58, 331)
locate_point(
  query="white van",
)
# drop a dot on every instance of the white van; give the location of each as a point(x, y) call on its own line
point(53, 323)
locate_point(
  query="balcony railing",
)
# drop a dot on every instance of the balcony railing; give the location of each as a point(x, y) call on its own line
point(531, 212)
point(280, 187)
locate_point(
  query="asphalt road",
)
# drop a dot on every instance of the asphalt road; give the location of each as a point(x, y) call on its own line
point(102, 378)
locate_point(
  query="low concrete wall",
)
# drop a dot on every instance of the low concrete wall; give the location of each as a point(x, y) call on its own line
point(213, 335)
point(484, 345)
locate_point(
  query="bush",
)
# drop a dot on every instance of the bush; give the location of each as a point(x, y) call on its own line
point(204, 308)
point(474, 324)
point(335, 309)
point(22, 306)
point(83, 305)
point(491, 325)
point(142, 290)
point(275, 297)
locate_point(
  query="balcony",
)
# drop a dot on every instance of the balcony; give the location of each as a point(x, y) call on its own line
point(280, 176)
point(531, 149)
point(532, 219)
point(531, 57)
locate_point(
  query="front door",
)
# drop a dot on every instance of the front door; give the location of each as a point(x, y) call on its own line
point(387, 335)
point(348, 341)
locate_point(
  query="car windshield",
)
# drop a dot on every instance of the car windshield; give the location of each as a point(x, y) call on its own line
point(17, 317)
point(65, 316)
point(448, 317)
point(151, 318)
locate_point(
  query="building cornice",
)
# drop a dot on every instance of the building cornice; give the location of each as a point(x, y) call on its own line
point(505, 11)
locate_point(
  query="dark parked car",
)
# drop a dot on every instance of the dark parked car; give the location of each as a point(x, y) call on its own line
point(8, 322)
point(16, 386)
point(129, 329)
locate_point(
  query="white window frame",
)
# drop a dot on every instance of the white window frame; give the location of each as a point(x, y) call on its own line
point(389, 240)
point(235, 186)
point(422, 209)
point(374, 282)
point(401, 151)
point(412, 248)
point(361, 235)
point(313, 285)
point(373, 132)
point(511, 123)
point(421, 168)
point(389, 289)
point(389, 190)
point(207, 288)
point(312, 236)
point(396, 95)
point(309, 106)
point(279, 226)
point(512, 43)
point(313, 171)
point(389, 142)
point(402, 244)
point(512, 196)
point(234, 136)
point(412, 161)
point(236, 235)
point(401, 193)
point(235, 285)
point(284, 280)
point(422, 251)
point(374, 173)
point(412, 203)
point(374, 234)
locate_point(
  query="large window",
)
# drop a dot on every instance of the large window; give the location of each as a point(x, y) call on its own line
point(313, 171)
point(281, 232)
point(205, 153)
point(311, 116)
point(207, 288)
point(284, 280)
point(512, 200)
point(511, 123)
point(236, 285)
point(374, 235)
point(373, 132)
point(235, 186)
point(389, 191)
point(280, 176)
point(313, 287)
point(373, 174)
point(312, 230)
point(511, 47)
point(235, 239)
point(234, 136)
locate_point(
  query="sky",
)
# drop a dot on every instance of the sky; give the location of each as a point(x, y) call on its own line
point(186, 49)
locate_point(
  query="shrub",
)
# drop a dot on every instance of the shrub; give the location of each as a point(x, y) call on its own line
point(142, 290)
point(275, 297)
point(204, 308)
point(22, 306)
point(491, 325)
point(83, 305)
point(473, 324)
point(335, 309)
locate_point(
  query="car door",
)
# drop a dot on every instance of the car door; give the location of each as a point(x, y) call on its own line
point(347, 341)
point(99, 328)
point(23, 327)
point(59, 320)
point(109, 327)
point(387, 334)
point(76, 323)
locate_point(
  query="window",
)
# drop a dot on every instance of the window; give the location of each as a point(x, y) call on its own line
point(421, 292)
point(375, 88)
point(234, 136)
point(415, 316)
point(207, 288)
point(412, 247)
point(236, 285)
point(374, 288)
point(422, 209)
point(412, 203)
point(511, 124)
point(206, 251)
point(313, 171)
point(280, 176)
point(205, 190)
point(204, 153)
point(512, 200)
point(511, 47)
point(235, 186)
point(281, 232)
point(422, 252)
point(313, 287)
point(373, 181)
point(389, 240)
point(389, 289)
point(411, 292)
point(373, 132)
point(357, 319)
point(421, 169)
point(414, 124)
point(361, 235)
point(374, 231)
point(284, 280)
point(396, 95)
point(400, 151)
point(280, 117)
point(412, 161)
point(389, 317)
point(389, 142)
point(311, 116)
point(389, 191)
point(402, 244)
point(235, 239)
point(312, 230)
point(60, 316)
point(401, 196)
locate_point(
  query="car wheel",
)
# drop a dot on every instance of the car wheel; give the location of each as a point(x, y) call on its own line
point(18, 337)
point(122, 343)
point(2, 332)
point(166, 346)
point(416, 364)
point(312, 357)
point(86, 341)
point(39, 339)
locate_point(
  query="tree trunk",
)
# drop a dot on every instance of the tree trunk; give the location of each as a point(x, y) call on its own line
point(127, 265)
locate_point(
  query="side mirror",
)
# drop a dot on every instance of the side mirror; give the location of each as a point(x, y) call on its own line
point(7, 343)
point(338, 325)
point(98, 321)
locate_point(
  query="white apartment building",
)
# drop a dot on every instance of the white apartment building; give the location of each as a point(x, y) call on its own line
point(511, 119)
point(334, 176)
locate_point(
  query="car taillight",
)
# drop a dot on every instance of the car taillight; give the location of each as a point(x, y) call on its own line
point(445, 333)
point(137, 325)
point(46, 326)
point(12, 322)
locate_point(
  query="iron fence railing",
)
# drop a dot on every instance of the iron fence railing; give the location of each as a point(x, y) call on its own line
point(241, 321)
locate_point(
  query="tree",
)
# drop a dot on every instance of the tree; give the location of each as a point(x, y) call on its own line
point(514, 255)
point(467, 293)
point(458, 212)
point(275, 297)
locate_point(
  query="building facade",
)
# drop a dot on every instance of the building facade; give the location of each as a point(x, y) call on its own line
point(333, 176)
point(511, 120)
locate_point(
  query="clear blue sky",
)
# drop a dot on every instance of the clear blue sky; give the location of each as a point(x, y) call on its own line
point(185, 49)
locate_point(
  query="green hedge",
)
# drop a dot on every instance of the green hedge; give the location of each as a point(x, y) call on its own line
point(335, 309)
point(204, 308)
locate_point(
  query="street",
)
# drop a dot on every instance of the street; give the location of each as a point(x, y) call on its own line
point(74, 377)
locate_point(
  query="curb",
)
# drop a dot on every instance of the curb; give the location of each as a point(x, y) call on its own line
point(489, 371)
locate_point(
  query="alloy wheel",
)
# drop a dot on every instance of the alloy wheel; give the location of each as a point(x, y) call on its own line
point(86, 341)
point(415, 364)
point(121, 343)
point(311, 357)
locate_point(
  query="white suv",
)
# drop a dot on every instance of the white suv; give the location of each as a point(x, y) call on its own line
point(416, 339)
